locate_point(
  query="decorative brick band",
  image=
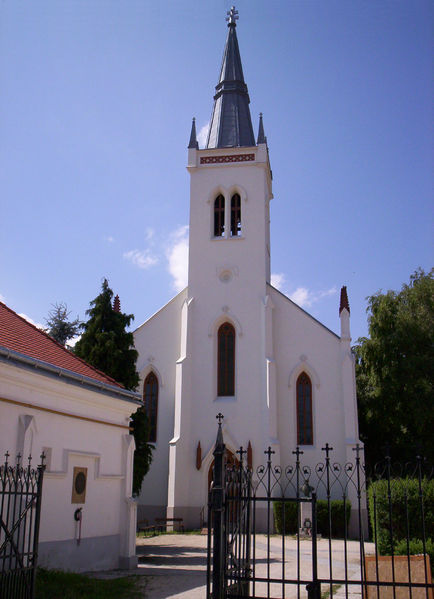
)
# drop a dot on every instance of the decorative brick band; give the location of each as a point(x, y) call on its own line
point(231, 158)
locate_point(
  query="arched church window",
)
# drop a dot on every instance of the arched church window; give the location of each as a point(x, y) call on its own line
point(219, 216)
point(150, 400)
point(235, 215)
point(226, 360)
point(304, 410)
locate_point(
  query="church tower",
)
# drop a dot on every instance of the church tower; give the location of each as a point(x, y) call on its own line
point(222, 367)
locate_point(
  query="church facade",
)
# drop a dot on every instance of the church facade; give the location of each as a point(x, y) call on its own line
point(230, 342)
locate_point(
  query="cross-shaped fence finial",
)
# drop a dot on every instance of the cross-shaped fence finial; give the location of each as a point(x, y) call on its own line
point(327, 449)
point(269, 452)
point(220, 418)
point(241, 452)
point(298, 452)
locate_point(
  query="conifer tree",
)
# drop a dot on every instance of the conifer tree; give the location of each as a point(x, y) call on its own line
point(59, 327)
point(105, 343)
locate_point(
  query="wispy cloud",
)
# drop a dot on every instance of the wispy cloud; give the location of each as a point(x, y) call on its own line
point(149, 234)
point(2, 298)
point(305, 297)
point(177, 257)
point(302, 296)
point(109, 238)
point(37, 324)
point(278, 280)
point(142, 258)
point(202, 135)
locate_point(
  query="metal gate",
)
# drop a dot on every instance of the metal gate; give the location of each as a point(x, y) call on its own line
point(302, 532)
point(20, 506)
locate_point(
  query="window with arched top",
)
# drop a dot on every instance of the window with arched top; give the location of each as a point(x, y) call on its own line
point(226, 360)
point(219, 216)
point(235, 215)
point(304, 410)
point(150, 401)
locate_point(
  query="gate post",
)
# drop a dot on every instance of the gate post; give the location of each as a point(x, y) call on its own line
point(314, 587)
point(217, 512)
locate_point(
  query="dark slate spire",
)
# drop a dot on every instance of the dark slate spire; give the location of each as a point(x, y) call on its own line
point(344, 303)
point(193, 139)
point(261, 136)
point(231, 125)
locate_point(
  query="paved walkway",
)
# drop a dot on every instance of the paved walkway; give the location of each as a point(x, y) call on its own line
point(174, 566)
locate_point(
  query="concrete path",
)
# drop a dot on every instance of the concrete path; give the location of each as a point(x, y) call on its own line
point(174, 566)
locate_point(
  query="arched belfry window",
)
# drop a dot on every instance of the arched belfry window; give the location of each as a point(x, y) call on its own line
point(235, 215)
point(226, 360)
point(219, 216)
point(304, 410)
point(150, 400)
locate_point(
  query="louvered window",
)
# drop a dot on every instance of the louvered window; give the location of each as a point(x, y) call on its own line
point(219, 216)
point(235, 216)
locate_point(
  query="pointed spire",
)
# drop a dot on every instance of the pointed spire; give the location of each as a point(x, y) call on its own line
point(344, 300)
point(116, 304)
point(193, 138)
point(261, 136)
point(231, 125)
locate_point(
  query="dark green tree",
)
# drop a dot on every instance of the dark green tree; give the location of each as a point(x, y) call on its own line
point(105, 342)
point(59, 325)
point(108, 346)
point(394, 372)
point(143, 453)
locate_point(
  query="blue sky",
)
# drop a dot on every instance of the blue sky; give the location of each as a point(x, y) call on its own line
point(95, 111)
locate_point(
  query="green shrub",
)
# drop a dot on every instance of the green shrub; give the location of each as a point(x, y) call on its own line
point(291, 517)
point(415, 547)
point(403, 508)
point(338, 517)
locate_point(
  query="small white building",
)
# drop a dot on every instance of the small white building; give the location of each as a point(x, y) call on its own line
point(230, 342)
point(52, 402)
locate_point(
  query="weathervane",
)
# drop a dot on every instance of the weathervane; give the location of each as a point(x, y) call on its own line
point(232, 16)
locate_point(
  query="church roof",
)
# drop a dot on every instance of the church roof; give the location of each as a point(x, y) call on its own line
point(22, 337)
point(231, 124)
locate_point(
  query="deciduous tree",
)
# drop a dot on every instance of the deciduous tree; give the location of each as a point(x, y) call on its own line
point(394, 371)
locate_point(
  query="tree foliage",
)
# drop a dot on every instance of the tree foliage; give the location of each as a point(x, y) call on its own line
point(59, 325)
point(143, 453)
point(394, 371)
point(105, 343)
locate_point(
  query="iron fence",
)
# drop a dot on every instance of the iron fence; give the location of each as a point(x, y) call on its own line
point(328, 530)
point(20, 505)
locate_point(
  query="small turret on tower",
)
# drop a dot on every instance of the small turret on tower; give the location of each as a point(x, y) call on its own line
point(344, 313)
point(193, 137)
point(261, 135)
point(117, 304)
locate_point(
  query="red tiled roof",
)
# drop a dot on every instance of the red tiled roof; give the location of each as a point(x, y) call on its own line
point(19, 335)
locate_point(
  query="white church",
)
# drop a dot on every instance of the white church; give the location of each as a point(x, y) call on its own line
point(230, 342)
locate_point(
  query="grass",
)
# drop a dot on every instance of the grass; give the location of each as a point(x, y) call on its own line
point(54, 584)
point(326, 594)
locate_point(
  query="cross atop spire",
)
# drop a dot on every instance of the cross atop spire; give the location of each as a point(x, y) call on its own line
point(232, 17)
